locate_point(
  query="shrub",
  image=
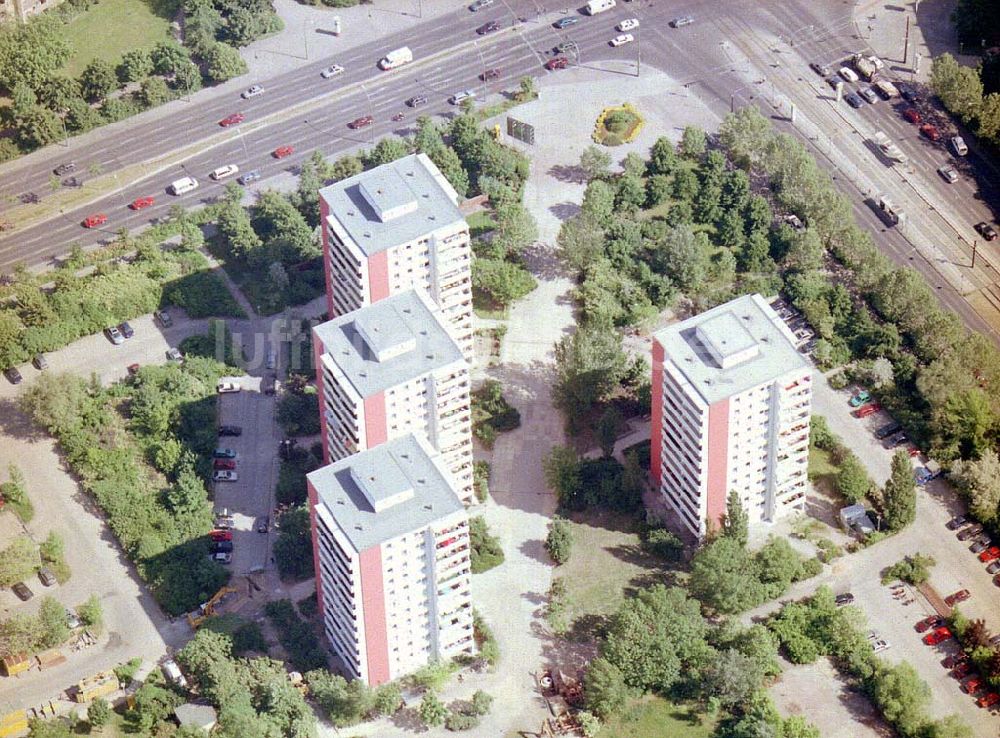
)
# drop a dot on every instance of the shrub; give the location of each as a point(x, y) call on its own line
point(297, 638)
point(481, 479)
point(91, 614)
point(482, 702)
point(432, 711)
point(559, 542)
point(486, 642)
point(486, 550)
point(99, 712)
point(663, 544)
point(913, 569)
point(457, 721)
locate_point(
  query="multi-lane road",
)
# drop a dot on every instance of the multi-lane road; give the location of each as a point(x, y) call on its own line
point(303, 110)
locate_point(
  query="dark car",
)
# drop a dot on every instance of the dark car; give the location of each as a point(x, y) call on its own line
point(72, 182)
point(970, 532)
point(490, 74)
point(490, 27)
point(126, 330)
point(887, 430)
point(844, 599)
point(13, 375)
point(987, 231)
point(957, 522)
point(821, 69)
point(164, 317)
point(993, 568)
point(222, 547)
point(979, 546)
point(230, 430)
point(252, 176)
point(47, 577)
point(264, 524)
point(834, 81)
point(64, 169)
point(909, 94)
point(565, 23)
point(23, 593)
point(416, 100)
point(853, 100)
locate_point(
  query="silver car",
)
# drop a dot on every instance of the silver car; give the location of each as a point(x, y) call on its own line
point(252, 92)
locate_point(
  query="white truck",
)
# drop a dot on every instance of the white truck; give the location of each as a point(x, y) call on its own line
point(886, 89)
point(889, 149)
point(396, 58)
point(887, 210)
point(599, 6)
point(866, 66)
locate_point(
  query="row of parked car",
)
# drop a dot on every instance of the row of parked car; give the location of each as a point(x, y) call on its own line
point(958, 664)
point(980, 544)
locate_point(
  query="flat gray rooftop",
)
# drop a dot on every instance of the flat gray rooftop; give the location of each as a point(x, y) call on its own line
point(731, 348)
point(385, 492)
point(388, 342)
point(393, 204)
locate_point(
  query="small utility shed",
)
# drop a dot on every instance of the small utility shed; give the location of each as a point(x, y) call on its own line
point(196, 716)
point(855, 518)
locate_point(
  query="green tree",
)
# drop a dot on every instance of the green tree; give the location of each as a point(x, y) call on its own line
point(662, 157)
point(57, 93)
point(590, 365)
point(432, 711)
point(32, 51)
point(388, 699)
point(515, 229)
point(293, 551)
point(503, 281)
point(736, 523)
point(187, 78)
point(562, 473)
point(98, 80)
point(723, 577)
point(902, 696)
point(595, 161)
point(52, 618)
point(155, 92)
point(605, 688)
point(989, 117)
point(683, 256)
point(598, 200)
point(486, 550)
point(528, 89)
point(135, 66)
point(18, 561)
point(580, 241)
point(37, 126)
point(958, 87)
point(91, 613)
point(237, 231)
point(345, 703)
point(979, 482)
point(608, 427)
point(223, 62)
point(732, 678)
point(559, 542)
point(693, 143)
point(385, 151)
point(853, 481)
point(282, 226)
point(168, 57)
point(99, 713)
point(482, 702)
point(899, 494)
point(242, 27)
point(306, 198)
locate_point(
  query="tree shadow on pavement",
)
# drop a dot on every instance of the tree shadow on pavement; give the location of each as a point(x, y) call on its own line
point(535, 549)
point(564, 210)
point(543, 261)
point(14, 423)
point(572, 173)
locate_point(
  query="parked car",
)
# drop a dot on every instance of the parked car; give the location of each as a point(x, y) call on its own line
point(986, 230)
point(220, 534)
point(264, 524)
point(993, 568)
point(223, 453)
point(860, 398)
point(225, 476)
point(174, 354)
point(988, 700)
point(40, 362)
point(848, 74)
point(22, 591)
point(972, 685)
point(490, 74)
point(47, 577)
point(223, 557)
point(331, 71)
point(72, 620)
point(978, 546)
point(132, 369)
point(960, 596)
point(685, 20)
point(480, 4)
point(933, 621)
point(957, 144)
point(936, 636)
point(961, 671)
point(930, 131)
point(948, 173)
point(64, 168)
point(228, 386)
point(870, 409)
point(459, 97)
point(844, 599)
point(970, 532)
point(223, 546)
point(622, 39)
point(950, 662)
point(226, 464)
point(990, 554)
point(887, 430)
point(853, 100)
point(173, 674)
point(164, 317)
point(913, 116)
point(629, 24)
point(252, 91)
point(142, 202)
point(126, 329)
point(282, 151)
point(230, 430)
point(821, 69)
point(13, 375)
point(909, 94)
point(869, 95)
point(834, 81)
point(879, 645)
point(114, 335)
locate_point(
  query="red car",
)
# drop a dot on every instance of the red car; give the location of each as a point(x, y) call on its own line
point(92, 221)
point(232, 120)
point(133, 369)
point(364, 120)
point(142, 202)
point(962, 670)
point(560, 62)
point(960, 596)
point(227, 464)
point(988, 700)
point(972, 685)
point(930, 131)
point(221, 535)
point(282, 151)
point(913, 451)
point(930, 622)
point(954, 660)
point(990, 554)
point(865, 410)
point(938, 635)
point(912, 115)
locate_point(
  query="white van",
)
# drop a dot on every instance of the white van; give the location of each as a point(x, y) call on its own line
point(958, 146)
point(182, 185)
point(599, 6)
point(222, 172)
point(398, 58)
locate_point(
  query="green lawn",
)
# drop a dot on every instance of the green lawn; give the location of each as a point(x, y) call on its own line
point(654, 717)
point(822, 471)
point(480, 222)
point(112, 27)
point(606, 563)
